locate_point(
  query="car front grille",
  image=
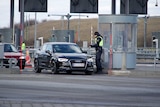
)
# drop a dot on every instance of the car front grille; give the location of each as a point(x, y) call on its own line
point(78, 64)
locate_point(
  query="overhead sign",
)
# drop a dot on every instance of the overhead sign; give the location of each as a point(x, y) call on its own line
point(84, 6)
point(34, 5)
point(135, 6)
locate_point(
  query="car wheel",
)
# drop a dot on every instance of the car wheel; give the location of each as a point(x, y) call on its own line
point(7, 66)
point(36, 66)
point(54, 68)
point(69, 72)
point(88, 73)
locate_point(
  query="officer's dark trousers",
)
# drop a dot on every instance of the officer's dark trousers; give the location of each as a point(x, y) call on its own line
point(98, 61)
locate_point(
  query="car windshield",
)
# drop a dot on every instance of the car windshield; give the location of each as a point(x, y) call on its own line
point(66, 48)
point(9, 48)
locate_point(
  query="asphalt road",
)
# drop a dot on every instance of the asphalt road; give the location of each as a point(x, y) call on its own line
point(78, 89)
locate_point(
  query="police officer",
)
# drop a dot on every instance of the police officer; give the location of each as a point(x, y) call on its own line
point(98, 46)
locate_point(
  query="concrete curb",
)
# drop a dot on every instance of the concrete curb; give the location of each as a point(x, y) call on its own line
point(121, 72)
point(9, 71)
point(129, 73)
point(135, 73)
point(142, 73)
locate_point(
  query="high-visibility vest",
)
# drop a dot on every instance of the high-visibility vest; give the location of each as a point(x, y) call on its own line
point(101, 42)
point(23, 46)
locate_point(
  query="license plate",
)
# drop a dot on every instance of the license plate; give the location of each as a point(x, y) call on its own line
point(78, 64)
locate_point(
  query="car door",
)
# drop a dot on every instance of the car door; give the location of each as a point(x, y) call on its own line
point(42, 56)
point(48, 55)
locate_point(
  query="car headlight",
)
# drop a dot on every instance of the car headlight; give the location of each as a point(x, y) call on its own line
point(90, 59)
point(62, 59)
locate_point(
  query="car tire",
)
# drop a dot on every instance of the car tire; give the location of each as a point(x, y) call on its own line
point(36, 66)
point(54, 68)
point(69, 72)
point(7, 66)
point(88, 73)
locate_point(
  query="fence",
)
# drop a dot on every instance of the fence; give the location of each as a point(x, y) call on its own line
point(147, 53)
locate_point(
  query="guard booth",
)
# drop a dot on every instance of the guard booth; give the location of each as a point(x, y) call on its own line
point(62, 36)
point(1, 55)
point(6, 35)
point(156, 39)
point(120, 40)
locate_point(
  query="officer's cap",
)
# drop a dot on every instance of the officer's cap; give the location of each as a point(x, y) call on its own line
point(97, 33)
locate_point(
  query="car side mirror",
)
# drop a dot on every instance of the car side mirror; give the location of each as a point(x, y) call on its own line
point(49, 52)
point(84, 51)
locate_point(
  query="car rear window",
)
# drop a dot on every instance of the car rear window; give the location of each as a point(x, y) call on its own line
point(9, 48)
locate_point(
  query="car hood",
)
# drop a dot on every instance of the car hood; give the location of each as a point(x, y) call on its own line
point(72, 55)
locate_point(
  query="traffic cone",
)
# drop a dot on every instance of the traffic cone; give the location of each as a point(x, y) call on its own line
point(28, 60)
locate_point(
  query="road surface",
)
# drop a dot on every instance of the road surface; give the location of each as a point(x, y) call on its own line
point(78, 89)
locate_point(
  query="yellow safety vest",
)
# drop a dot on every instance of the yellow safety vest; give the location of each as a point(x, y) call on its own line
point(23, 46)
point(101, 42)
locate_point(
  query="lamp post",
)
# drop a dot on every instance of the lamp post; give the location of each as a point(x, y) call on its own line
point(35, 30)
point(68, 16)
point(156, 3)
point(145, 29)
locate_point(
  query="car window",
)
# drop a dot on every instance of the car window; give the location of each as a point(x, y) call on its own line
point(49, 47)
point(43, 48)
point(66, 48)
point(9, 48)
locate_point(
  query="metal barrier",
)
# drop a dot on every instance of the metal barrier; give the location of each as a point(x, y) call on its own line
point(142, 53)
point(31, 50)
point(156, 60)
point(147, 53)
point(11, 62)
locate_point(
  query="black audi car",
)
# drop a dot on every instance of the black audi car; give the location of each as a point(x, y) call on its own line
point(62, 56)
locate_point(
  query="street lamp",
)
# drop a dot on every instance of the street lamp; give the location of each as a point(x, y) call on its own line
point(156, 3)
point(145, 29)
point(68, 16)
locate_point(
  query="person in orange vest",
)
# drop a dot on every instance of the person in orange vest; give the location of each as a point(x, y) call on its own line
point(28, 58)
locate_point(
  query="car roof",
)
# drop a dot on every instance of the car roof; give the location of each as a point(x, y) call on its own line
point(59, 43)
point(2, 43)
